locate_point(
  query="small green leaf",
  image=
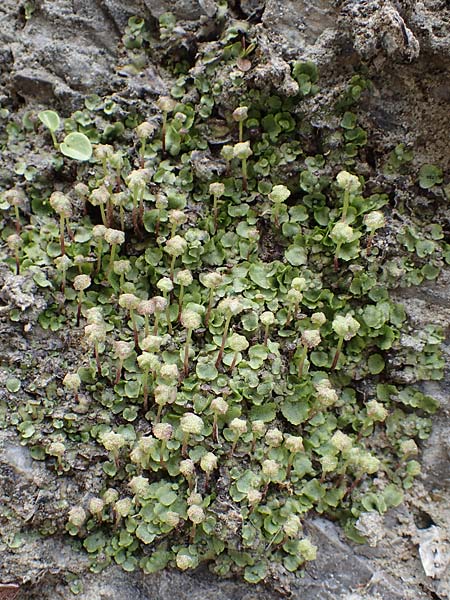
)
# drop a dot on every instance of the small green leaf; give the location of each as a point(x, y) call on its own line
point(294, 412)
point(157, 561)
point(82, 234)
point(429, 176)
point(430, 271)
point(50, 119)
point(260, 274)
point(393, 496)
point(132, 388)
point(94, 542)
point(320, 359)
point(41, 280)
point(376, 364)
point(348, 120)
point(247, 481)
point(173, 140)
point(125, 538)
point(298, 213)
point(167, 497)
point(265, 412)
point(153, 256)
point(130, 413)
point(296, 256)
point(143, 534)
point(129, 564)
point(110, 468)
point(314, 490)
point(77, 146)
point(26, 429)
point(250, 321)
point(374, 502)
point(306, 68)
point(206, 371)
point(255, 573)
point(13, 384)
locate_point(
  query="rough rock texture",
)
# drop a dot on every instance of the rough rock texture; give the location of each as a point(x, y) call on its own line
point(67, 49)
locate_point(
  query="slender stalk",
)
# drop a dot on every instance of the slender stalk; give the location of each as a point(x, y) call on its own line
point(145, 388)
point(168, 319)
point(346, 205)
point(122, 218)
point(61, 234)
point(186, 352)
point(135, 331)
point(210, 305)
point(136, 210)
point(17, 218)
point(289, 465)
point(103, 213)
point(180, 302)
point(163, 133)
point(215, 211)
point(244, 175)
point(184, 444)
point(109, 210)
point(54, 140)
point(118, 179)
point(233, 364)
point(224, 340)
point(80, 301)
point(215, 431)
point(112, 258)
point(172, 267)
point(141, 210)
point(193, 531)
point(302, 361)
point(161, 452)
point(119, 371)
point(97, 360)
point(336, 259)
point(69, 231)
point(142, 152)
point(337, 354)
point(99, 256)
point(158, 414)
point(156, 324)
point(17, 259)
point(63, 281)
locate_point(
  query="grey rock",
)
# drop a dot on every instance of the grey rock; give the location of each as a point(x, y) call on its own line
point(66, 50)
point(190, 10)
point(306, 26)
point(20, 292)
point(379, 27)
point(69, 49)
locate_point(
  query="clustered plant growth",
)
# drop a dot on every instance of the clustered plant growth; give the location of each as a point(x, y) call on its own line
point(229, 285)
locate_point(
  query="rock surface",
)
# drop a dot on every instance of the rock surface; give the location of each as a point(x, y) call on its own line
point(68, 49)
